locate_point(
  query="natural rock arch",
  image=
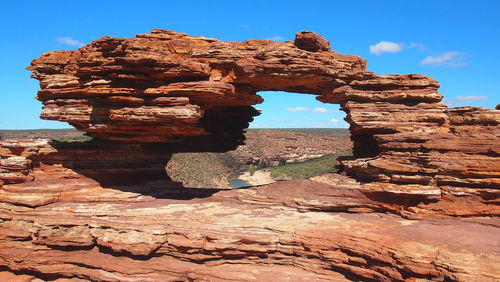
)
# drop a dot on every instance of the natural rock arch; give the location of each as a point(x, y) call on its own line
point(172, 92)
point(146, 97)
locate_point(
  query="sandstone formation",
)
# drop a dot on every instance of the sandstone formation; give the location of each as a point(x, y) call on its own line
point(288, 231)
point(420, 199)
point(184, 93)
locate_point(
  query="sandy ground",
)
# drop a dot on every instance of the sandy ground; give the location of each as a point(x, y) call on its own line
point(260, 177)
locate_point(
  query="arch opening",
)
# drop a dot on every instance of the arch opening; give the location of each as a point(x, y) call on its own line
point(294, 136)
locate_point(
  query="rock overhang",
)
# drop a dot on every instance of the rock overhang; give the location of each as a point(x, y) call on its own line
point(178, 93)
point(136, 89)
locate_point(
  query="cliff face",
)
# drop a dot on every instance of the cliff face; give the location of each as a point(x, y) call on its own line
point(106, 210)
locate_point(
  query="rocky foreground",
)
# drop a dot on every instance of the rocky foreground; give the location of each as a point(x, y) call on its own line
point(419, 198)
point(330, 228)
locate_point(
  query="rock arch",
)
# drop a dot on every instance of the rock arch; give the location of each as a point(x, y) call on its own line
point(176, 92)
point(143, 98)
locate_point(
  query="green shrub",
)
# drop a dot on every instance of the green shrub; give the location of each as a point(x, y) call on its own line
point(82, 138)
point(309, 168)
point(252, 169)
point(202, 170)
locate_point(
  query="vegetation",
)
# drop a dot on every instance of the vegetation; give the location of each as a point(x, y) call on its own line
point(309, 168)
point(252, 169)
point(203, 170)
point(81, 138)
point(333, 132)
point(209, 170)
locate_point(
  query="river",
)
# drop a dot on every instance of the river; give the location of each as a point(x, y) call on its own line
point(238, 183)
point(245, 179)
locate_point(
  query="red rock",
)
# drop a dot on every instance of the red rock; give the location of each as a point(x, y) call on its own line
point(422, 186)
point(311, 41)
point(194, 94)
point(313, 230)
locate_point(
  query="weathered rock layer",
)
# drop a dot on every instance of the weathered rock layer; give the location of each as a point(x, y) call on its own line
point(195, 94)
point(324, 229)
point(106, 210)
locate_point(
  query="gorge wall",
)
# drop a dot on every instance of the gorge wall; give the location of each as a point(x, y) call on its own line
point(106, 210)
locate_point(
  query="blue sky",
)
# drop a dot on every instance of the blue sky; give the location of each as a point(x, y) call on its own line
point(456, 42)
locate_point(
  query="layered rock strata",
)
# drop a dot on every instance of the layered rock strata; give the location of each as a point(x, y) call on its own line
point(103, 162)
point(195, 94)
point(420, 200)
point(324, 229)
point(171, 92)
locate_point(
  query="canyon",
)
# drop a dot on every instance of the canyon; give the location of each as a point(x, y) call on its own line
point(419, 198)
point(272, 146)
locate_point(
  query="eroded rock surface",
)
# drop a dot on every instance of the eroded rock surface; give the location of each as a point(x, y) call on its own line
point(420, 199)
point(179, 93)
point(171, 88)
point(323, 229)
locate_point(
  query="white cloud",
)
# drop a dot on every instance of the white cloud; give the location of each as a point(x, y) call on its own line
point(386, 47)
point(320, 110)
point(277, 120)
point(471, 99)
point(317, 110)
point(419, 46)
point(254, 125)
point(464, 100)
point(451, 58)
point(298, 109)
point(70, 41)
point(333, 120)
point(276, 38)
point(323, 111)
